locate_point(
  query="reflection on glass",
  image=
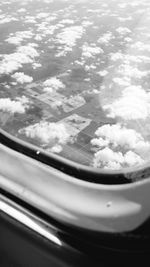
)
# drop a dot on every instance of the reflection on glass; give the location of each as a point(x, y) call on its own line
point(74, 78)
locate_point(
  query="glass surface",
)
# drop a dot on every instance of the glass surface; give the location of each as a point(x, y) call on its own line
point(74, 78)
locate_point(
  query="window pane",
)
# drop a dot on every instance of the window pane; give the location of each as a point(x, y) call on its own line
point(74, 78)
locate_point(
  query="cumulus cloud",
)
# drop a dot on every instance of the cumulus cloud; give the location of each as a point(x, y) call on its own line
point(69, 35)
point(22, 10)
point(129, 58)
point(108, 159)
point(28, 50)
point(7, 19)
point(14, 40)
point(118, 147)
point(102, 73)
point(106, 38)
point(68, 38)
point(86, 23)
point(10, 64)
point(44, 29)
point(30, 19)
point(123, 30)
point(122, 5)
point(42, 15)
point(23, 55)
point(67, 21)
point(121, 81)
point(36, 65)
point(53, 84)
point(38, 37)
point(118, 135)
point(18, 105)
point(124, 19)
point(133, 104)
point(128, 70)
point(116, 56)
point(48, 89)
point(132, 159)
point(91, 51)
point(141, 46)
point(54, 134)
point(18, 37)
point(20, 77)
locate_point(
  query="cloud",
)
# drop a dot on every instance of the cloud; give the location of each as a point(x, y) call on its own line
point(14, 61)
point(91, 51)
point(9, 64)
point(69, 35)
point(48, 89)
point(123, 30)
point(124, 19)
point(36, 65)
point(122, 5)
point(19, 105)
point(28, 50)
point(67, 21)
point(141, 46)
point(118, 147)
point(108, 159)
point(133, 104)
point(106, 38)
point(54, 134)
point(102, 73)
point(42, 15)
point(129, 58)
point(19, 36)
point(132, 72)
point(38, 37)
point(20, 77)
point(16, 40)
point(53, 84)
point(22, 10)
point(86, 23)
point(121, 81)
point(132, 159)
point(118, 135)
point(7, 19)
point(116, 56)
point(68, 38)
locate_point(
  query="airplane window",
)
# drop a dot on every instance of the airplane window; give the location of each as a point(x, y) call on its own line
point(75, 79)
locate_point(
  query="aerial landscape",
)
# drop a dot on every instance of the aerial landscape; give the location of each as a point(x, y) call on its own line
point(75, 78)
